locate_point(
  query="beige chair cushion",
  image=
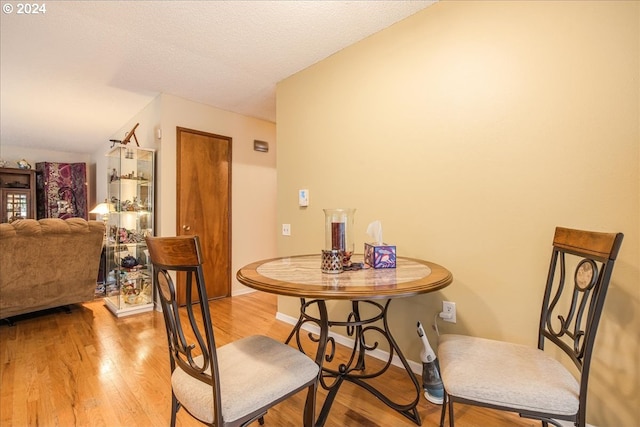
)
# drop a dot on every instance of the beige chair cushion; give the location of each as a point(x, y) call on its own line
point(507, 375)
point(254, 372)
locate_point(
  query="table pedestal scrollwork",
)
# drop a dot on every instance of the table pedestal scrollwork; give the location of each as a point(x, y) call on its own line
point(353, 370)
point(370, 292)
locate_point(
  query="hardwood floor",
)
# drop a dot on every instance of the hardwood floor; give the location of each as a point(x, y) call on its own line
point(88, 368)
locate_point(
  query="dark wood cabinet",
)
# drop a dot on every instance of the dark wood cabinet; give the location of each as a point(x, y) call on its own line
point(18, 194)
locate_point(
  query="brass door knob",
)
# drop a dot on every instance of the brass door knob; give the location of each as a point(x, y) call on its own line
point(186, 228)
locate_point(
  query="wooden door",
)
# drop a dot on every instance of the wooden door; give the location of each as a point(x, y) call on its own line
point(204, 205)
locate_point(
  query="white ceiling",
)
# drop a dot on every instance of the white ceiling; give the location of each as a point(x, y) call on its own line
point(72, 76)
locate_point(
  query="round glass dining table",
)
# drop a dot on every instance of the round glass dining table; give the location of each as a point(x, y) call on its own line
point(301, 276)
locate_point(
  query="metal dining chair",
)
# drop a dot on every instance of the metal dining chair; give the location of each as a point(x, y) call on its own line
point(531, 381)
point(235, 384)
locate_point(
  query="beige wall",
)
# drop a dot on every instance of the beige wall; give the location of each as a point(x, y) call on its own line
point(253, 174)
point(471, 130)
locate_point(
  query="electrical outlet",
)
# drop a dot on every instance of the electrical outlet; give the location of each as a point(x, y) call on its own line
point(286, 229)
point(448, 311)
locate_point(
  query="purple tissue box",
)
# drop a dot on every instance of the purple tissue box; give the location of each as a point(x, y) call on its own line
point(382, 256)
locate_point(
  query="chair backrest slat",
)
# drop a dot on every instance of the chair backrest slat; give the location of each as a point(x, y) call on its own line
point(190, 334)
point(601, 246)
point(175, 252)
point(577, 283)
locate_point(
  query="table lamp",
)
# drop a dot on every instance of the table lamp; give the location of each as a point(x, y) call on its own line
point(102, 209)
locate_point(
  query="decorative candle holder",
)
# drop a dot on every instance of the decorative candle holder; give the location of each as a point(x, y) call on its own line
point(339, 233)
point(331, 261)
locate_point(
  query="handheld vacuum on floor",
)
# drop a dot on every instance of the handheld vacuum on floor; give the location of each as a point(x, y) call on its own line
point(431, 382)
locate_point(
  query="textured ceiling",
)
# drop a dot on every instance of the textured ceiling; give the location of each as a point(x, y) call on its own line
point(72, 76)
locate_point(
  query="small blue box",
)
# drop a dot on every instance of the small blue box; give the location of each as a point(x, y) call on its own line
point(380, 256)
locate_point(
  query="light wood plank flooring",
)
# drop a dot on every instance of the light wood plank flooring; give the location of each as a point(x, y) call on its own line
point(89, 368)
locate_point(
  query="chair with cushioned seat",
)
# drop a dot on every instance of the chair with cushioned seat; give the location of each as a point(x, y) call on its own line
point(531, 381)
point(233, 385)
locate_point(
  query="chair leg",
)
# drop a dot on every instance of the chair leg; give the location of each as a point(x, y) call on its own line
point(261, 421)
point(445, 402)
point(309, 419)
point(174, 409)
point(451, 420)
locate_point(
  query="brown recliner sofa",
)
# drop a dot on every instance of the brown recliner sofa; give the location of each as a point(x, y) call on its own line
point(48, 263)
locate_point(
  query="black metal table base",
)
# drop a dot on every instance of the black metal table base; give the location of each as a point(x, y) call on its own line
point(354, 369)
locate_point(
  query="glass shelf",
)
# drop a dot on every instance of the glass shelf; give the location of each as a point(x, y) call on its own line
point(129, 286)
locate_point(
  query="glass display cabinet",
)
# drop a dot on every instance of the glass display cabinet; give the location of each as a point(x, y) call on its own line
point(130, 190)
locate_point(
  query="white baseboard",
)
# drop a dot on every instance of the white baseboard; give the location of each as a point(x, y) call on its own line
point(241, 291)
point(348, 342)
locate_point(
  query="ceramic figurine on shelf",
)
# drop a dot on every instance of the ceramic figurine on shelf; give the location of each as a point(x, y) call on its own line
point(129, 262)
point(123, 235)
point(130, 293)
point(23, 164)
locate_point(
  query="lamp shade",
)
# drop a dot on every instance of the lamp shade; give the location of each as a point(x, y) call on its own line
point(102, 209)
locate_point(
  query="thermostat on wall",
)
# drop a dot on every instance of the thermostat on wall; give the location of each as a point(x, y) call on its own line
point(303, 197)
